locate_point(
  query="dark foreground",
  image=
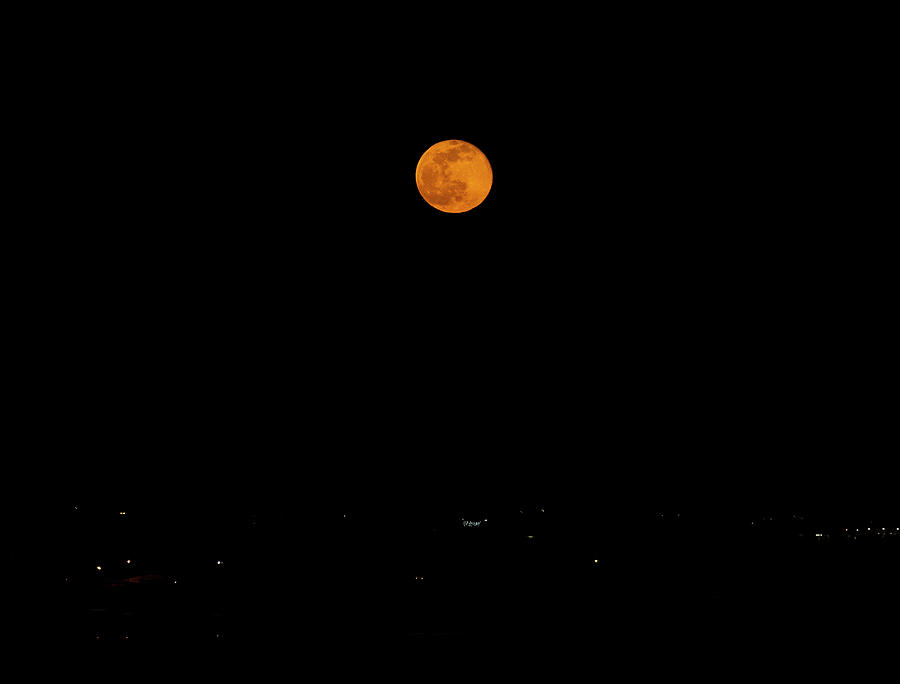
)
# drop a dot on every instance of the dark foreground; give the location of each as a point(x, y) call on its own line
point(658, 602)
point(524, 586)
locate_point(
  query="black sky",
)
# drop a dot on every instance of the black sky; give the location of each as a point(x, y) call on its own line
point(673, 290)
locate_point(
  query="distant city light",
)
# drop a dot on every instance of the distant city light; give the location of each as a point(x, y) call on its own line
point(128, 562)
point(99, 567)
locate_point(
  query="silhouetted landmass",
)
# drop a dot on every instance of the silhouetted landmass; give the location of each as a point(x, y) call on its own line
point(537, 571)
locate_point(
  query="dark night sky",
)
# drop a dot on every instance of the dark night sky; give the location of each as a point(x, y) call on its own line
point(672, 291)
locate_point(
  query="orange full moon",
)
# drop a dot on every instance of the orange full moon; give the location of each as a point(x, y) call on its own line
point(454, 176)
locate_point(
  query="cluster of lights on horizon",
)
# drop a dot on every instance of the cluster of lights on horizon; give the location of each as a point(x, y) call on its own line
point(111, 568)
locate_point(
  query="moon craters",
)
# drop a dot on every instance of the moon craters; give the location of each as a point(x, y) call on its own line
point(453, 176)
